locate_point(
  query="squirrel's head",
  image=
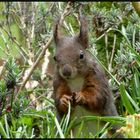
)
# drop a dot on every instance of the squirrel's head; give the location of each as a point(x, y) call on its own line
point(70, 55)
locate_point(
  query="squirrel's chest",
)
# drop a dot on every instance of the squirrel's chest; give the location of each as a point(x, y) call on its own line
point(76, 84)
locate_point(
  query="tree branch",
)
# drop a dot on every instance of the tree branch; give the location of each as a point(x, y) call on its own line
point(64, 14)
point(22, 51)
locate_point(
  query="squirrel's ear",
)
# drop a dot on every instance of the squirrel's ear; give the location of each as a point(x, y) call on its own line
point(83, 35)
point(56, 32)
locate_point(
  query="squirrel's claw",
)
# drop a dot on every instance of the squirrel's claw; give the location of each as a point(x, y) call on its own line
point(65, 100)
point(80, 98)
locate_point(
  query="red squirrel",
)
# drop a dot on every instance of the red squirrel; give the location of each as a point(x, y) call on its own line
point(78, 78)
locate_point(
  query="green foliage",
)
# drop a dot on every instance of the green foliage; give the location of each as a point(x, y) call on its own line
point(114, 40)
point(132, 128)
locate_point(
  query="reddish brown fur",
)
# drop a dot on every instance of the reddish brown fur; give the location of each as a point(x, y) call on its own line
point(62, 89)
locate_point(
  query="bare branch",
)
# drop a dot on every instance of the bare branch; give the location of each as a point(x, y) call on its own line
point(112, 54)
point(65, 13)
point(36, 63)
point(22, 51)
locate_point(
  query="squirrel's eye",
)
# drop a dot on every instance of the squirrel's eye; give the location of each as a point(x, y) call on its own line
point(81, 55)
point(55, 58)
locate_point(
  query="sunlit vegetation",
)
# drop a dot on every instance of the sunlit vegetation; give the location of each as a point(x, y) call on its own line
point(27, 108)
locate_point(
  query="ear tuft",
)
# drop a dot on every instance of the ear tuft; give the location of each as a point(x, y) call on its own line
point(83, 35)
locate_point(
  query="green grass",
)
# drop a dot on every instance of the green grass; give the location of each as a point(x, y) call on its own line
point(19, 114)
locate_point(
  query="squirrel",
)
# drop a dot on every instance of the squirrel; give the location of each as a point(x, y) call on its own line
point(78, 79)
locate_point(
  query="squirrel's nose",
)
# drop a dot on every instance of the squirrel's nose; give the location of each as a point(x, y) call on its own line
point(66, 71)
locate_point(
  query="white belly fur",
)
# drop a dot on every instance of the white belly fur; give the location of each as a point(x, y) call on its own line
point(90, 127)
point(76, 84)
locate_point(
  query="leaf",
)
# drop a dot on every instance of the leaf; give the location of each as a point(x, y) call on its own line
point(111, 119)
point(126, 100)
point(6, 126)
point(2, 131)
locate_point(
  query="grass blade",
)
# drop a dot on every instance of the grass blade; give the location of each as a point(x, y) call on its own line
point(125, 100)
point(2, 131)
point(58, 126)
point(6, 126)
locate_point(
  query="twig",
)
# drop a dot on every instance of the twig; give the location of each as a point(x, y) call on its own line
point(106, 46)
point(30, 32)
point(7, 16)
point(34, 8)
point(33, 101)
point(42, 19)
point(24, 54)
point(112, 54)
point(5, 52)
point(65, 13)
point(36, 63)
point(5, 41)
point(107, 31)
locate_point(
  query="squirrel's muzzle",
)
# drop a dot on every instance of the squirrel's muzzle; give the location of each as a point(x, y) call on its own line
point(67, 71)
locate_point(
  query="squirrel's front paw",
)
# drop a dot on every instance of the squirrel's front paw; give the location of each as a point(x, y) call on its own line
point(80, 98)
point(64, 101)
